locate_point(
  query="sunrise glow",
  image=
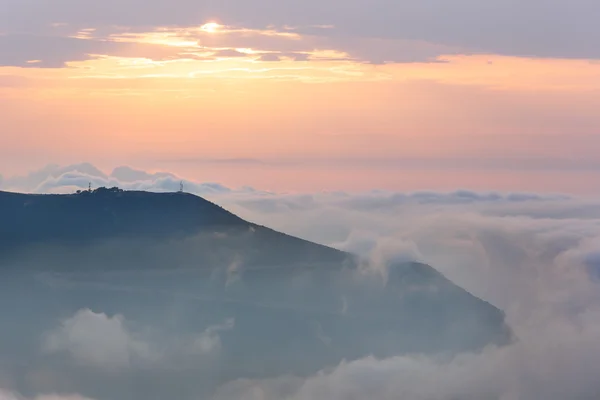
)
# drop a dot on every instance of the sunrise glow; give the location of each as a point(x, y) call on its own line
point(292, 88)
point(210, 27)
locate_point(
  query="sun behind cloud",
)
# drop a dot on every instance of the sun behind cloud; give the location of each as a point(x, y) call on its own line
point(210, 27)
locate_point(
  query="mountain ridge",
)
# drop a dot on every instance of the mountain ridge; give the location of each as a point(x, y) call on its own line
point(184, 219)
point(223, 219)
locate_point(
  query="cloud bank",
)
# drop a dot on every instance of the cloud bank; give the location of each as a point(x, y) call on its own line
point(555, 363)
point(535, 256)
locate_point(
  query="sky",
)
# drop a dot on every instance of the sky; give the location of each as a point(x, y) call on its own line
point(307, 96)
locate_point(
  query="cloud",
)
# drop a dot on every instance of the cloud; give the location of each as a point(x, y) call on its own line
point(210, 341)
point(535, 256)
point(493, 244)
point(56, 179)
point(522, 163)
point(128, 174)
point(270, 57)
point(525, 28)
point(56, 50)
point(7, 395)
point(98, 340)
point(35, 51)
point(67, 179)
point(108, 342)
point(39, 180)
point(228, 53)
point(555, 363)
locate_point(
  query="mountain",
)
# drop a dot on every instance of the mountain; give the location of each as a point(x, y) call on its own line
point(202, 297)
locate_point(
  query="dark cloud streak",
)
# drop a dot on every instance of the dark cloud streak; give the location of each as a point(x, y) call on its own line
point(33, 51)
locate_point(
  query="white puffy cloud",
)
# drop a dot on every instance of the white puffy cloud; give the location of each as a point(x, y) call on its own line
point(98, 340)
point(210, 341)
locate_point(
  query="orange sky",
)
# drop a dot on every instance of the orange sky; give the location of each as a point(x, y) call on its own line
point(200, 101)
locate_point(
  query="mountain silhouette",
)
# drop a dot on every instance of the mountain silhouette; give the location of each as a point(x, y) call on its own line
point(181, 266)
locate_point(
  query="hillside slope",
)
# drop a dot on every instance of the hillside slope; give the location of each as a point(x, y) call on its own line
point(182, 267)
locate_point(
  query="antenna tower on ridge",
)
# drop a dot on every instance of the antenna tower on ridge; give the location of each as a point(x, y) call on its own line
point(90, 187)
point(181, 187)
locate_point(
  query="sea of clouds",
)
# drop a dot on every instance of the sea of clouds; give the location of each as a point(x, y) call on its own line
point(536, 256)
